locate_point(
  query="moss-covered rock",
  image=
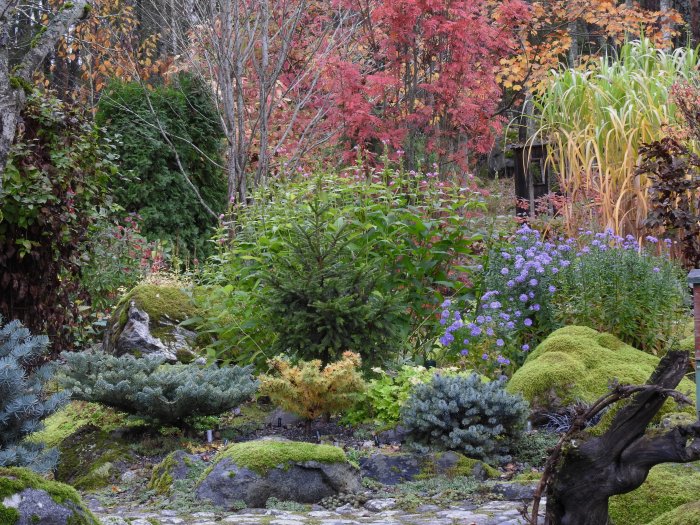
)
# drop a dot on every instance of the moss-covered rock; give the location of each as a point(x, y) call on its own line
point(176, 465)
point(688, 514)
point(92, 458)
point(577, 363)
point(666, 488)
point(262, 455)
point(287, 470)
point(146, 320)
point(453, 464)
point(26, 497)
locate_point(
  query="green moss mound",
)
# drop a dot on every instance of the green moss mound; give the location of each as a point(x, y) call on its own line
point(687, 344)
point(688, 514)
point(577, 363)
point(14, 480)
point(666, 488)
point(261, 456)
point(78, 414)
point(160, 301)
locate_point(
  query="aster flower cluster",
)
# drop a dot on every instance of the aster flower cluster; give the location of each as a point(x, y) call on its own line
point(519, 279)
point(527, 283)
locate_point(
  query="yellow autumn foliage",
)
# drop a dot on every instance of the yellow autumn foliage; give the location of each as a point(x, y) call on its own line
point(310, 390)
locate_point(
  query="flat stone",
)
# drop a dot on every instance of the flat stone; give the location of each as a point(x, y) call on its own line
point(322, 514)
point(464, 516)
point(114, 520)
point(285, 521)
point(140, 521)
point(380, 505)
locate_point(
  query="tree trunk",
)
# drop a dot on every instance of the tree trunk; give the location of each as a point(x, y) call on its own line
point(695, 21)
point(13, 82)
point(618, 461)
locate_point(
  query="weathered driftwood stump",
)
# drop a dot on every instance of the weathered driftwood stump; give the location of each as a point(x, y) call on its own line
point(580, 476)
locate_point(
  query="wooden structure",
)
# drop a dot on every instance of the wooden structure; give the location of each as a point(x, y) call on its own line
point(532, 176)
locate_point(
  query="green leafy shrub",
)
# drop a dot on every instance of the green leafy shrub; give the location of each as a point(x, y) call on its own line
point(386, 394)
point(24, 401)
point(309, 391)
point(479, 419)
point(54, 192)
point(168, 206)
point(166, 394)
point(411, 235)
point(381, 402)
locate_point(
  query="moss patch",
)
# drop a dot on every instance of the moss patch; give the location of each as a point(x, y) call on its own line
point(159, 302)
point(666, 488)
point(687, 344)
point(435, 465)
point(14, 480)
point(162, 476)
point(261, 456)
point(76, 415)
point(577, 363)
point(87, 458)
point(688, 514)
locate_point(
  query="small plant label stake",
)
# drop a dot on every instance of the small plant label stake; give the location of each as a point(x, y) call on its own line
point(694, 281)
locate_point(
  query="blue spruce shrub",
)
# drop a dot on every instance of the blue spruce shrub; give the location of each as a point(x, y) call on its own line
point(464, 413)
point(24, 401)
point(154, 391)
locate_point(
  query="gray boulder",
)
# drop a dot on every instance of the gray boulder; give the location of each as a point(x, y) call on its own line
point(391, 469)
point(303, 482)
point(135, 337)
point(34, 506)
point(146, 321)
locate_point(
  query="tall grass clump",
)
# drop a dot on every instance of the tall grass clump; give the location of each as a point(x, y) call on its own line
point(595, 121)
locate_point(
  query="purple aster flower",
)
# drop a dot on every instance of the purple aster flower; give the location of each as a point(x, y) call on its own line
point(500, 342)
point(533, 282)
point(552, 288)
point(504, 271)
point(535, 308)
point(464, 351)
point(503, 360)
point(527, 321)
point(523, 297)
point(525, 348)
point(656, 270)
point(484, 356)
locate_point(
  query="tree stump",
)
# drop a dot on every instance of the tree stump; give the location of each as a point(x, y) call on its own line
point(592, 470)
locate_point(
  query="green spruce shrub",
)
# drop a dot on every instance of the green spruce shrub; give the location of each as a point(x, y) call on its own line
point(324, 298)
point(145, 387)
point(24, 401)
point(464, 413)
